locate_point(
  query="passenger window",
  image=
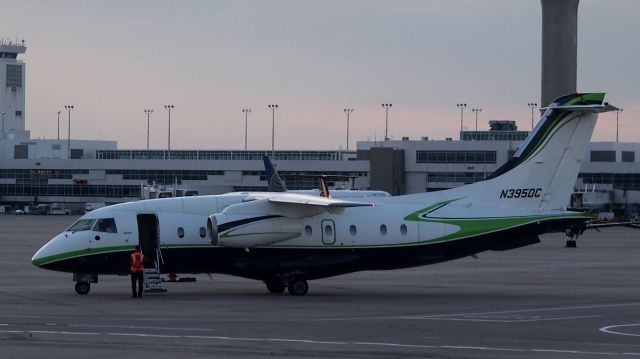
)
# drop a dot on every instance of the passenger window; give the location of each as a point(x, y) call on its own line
point(383, 229)
point(353, 230)
point(307, 230)
point(328, 230)
point(403, 229)
point(82, 225)
point(203, 232)
point(107, 225)
point(180, 232)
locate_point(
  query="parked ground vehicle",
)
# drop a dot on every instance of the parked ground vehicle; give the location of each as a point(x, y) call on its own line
point(90, 206)
point(59, 211)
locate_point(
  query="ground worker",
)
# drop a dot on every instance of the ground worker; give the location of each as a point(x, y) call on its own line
point(137, 270)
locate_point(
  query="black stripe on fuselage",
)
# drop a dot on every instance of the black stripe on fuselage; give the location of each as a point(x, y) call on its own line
point(227, 226)
point(539, 136)
point(313, 263)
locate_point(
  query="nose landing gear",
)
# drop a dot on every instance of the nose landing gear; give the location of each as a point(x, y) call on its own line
point(82, 288)
point(83, 282)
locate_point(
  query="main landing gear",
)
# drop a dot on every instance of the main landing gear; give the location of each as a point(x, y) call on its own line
point(296, 286)
point(572, 234)
point(275, 285)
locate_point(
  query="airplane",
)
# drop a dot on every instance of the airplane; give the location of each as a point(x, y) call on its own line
point(286, 239)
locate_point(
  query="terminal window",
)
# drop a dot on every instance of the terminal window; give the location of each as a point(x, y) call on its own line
point(628, 156)
point(603, 156)
point(14, 76)
point(455, 156)
point(461, 177)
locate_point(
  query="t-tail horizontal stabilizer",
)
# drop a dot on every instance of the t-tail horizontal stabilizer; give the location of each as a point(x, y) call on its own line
point(543, 171)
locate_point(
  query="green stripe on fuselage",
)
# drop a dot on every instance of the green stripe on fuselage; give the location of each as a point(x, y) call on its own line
point(549, 135)
point(469, 227)
point(479, 226)
point(102, 250)
point(414, 216)
point(80, 253)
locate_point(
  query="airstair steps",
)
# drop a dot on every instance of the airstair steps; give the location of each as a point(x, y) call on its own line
point(152, 281)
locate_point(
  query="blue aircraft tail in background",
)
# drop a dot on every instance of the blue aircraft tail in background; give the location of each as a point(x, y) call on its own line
point(275, 182)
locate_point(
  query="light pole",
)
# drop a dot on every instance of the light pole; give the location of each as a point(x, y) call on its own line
point(348, 111)
point(476, 110)
point(58, 124)
point(461, 106)
point(617, 113)
point(169, 108)
point(273, 126)
point(246, 114)
point(2, 135)
point(69, 108)
point(532, 106)
point(148, 112)
point(386, 107)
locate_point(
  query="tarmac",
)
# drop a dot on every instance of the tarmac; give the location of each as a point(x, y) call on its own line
point(540, 301)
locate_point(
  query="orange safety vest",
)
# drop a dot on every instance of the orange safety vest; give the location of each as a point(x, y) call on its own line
point(137, 261)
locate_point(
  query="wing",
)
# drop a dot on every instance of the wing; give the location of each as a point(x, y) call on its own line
point(327, 203)
point(269, 220)
point(595, 225)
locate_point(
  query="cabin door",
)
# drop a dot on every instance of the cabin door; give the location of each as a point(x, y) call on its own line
point(149, 240)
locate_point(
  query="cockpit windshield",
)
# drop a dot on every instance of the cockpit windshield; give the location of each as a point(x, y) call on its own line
point(107, 225)
point(82, 225)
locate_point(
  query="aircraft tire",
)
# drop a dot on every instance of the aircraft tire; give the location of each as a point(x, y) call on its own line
point(83, 288)
point(275, 285)
point(298, 287)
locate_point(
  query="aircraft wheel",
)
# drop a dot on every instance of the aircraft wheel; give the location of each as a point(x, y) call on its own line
point(298, 287)
point(83, 288)
point(275, 285)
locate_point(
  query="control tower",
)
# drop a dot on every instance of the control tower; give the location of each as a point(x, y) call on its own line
point(12, 93)
point(559, 49)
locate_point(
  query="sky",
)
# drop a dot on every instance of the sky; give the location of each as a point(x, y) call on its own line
point(210, 59)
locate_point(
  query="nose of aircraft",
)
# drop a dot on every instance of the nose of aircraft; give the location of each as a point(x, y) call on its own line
point(45, 254)
point(37, 259)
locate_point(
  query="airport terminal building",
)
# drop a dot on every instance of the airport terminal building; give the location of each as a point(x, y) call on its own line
point(118, 175)
point(74, 172)
point(399, 167)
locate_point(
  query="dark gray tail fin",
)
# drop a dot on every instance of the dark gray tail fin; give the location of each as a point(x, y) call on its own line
point(324, 188)
point(273, 178)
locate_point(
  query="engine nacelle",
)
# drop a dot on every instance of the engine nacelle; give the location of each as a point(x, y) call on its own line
point(245, 231)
